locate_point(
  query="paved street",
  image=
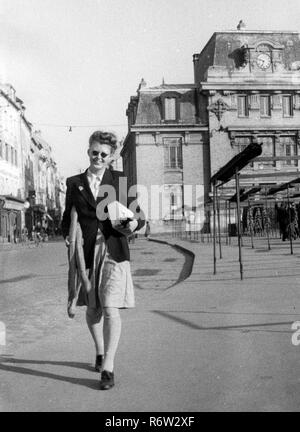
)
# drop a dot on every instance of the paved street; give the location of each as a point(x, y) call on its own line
point(205, 343)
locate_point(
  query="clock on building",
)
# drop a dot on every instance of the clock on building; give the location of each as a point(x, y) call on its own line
point(263, 61)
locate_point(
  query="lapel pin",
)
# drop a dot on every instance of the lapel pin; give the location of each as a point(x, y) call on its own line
point(80, 188)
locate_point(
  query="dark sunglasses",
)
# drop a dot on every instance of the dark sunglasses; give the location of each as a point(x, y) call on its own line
point(102, 154)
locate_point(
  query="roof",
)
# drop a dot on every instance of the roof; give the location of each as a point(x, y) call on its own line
point(170, 87)
point(149, 107)
point(225, 49)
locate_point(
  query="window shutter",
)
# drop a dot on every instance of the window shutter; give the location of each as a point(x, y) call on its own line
point(242, 106)
point(173, 156)
point(287, 106)
point(265, 105)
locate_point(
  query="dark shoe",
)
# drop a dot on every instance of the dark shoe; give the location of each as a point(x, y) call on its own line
point(107, 380)
point(98, 363)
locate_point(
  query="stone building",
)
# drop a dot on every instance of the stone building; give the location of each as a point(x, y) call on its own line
point(166, 153)
point(11, 165)
point(27, 170)
point(46, 183)
point(249, 83)
point(246, 90)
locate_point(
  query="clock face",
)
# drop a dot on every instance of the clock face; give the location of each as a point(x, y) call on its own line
point(263, 61)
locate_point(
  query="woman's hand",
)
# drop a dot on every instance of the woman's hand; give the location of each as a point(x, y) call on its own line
point(128, 228)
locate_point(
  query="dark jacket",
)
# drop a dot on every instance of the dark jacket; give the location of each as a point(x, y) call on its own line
point(80, 195)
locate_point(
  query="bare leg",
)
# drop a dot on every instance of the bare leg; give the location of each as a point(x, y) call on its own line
point(94, 321)
point(111, 333)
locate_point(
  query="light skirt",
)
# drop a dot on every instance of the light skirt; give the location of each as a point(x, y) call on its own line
point(111, 281)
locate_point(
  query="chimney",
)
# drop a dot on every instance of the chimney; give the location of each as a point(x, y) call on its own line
point(241, 25)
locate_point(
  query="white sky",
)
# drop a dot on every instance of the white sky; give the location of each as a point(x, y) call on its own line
point(77, 62)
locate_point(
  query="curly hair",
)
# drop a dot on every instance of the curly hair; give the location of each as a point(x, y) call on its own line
point(102, 137)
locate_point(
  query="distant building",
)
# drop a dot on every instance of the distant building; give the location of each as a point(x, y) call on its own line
point(27, 171)
point(47, 183)
point(11, 165)
point(166, 150)
point(117, 163)
point(249, 83)
point(246, 90)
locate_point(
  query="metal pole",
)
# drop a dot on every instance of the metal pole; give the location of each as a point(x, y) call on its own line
point(267, 228)
point(214, 227)
point(251, 224)
point(290, 220)
point(219, 225)
point(226, 224)
point(238, 215)
point(208, 224)
point(237, 185)
point(229, 222)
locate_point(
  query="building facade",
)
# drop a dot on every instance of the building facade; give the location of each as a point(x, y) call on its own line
point(28, 172)
point(246, 90)
point(165, 153)
point(11, 165)
point(250, 85)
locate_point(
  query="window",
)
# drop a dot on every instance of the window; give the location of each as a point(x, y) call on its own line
point(172, 205)
point(173, 152)
point(243, 108)
point(265, 106)
point(1, 149)
point(6, 152)
point(12, 155)
point(170, 108)
point(173, 202)
point(268, 150)
point(290, 149)
point(287, 106)
point(16, 158)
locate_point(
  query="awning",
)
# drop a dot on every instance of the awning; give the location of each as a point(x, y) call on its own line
point(10, 202)
point(237, 163)
point(39, 208)
point(48, 216)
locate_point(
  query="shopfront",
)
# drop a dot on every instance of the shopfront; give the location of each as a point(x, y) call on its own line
point(11, 219)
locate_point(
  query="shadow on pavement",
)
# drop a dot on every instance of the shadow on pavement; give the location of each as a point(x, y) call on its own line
point(230, 327)
point(187, 267)
point(146, 272)
point(7, 364)
point(189, 258)
point(18, 278)
point(215, 279)
point(231, 313)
